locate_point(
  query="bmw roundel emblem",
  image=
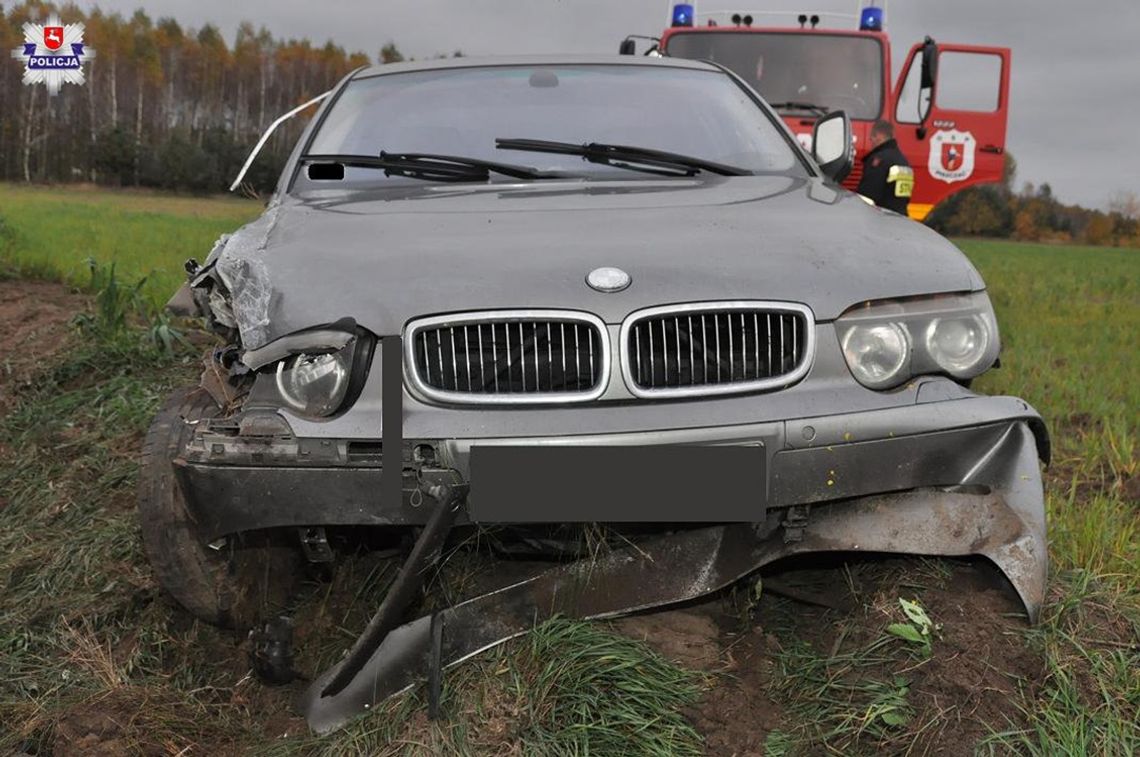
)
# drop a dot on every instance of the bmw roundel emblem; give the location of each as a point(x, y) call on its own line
point(608, 279)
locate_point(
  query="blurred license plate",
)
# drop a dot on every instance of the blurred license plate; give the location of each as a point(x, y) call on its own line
point(627, 484)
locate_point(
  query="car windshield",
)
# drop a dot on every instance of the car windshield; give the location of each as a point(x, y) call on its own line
point(463, 111)
point(795, 71)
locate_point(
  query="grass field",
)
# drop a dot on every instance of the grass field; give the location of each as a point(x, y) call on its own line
point(52, 231)
point(89, 650)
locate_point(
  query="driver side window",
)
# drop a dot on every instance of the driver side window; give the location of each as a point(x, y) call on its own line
point(914, 101)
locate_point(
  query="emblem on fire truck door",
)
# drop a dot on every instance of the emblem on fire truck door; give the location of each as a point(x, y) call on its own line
point(952, 155)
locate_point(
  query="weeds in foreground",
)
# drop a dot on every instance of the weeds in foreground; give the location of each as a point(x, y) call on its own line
point(838, 702)
point(919, 628)
point(1089, 700)
point(120, 305)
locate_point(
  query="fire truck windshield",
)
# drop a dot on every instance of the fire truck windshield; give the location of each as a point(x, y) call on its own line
point(800, 72)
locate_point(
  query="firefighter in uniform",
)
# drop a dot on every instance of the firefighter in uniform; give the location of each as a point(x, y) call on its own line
point(888, 179)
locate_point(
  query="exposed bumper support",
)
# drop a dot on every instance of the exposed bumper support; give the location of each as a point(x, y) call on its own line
point(663, 571)
point(997, 513)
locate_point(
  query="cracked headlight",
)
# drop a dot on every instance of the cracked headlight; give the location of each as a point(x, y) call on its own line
point(886, 342)
point(315, 384)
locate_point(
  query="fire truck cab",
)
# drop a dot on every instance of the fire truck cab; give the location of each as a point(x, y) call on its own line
point(949, 105)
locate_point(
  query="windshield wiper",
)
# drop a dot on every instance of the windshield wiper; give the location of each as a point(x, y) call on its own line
point(819, 109)
point(623, 156)
point(433, 167)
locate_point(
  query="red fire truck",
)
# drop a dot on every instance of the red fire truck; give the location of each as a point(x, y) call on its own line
point(949, 105)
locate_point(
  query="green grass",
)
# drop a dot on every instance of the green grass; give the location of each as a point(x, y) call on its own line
point(1089, 700)
point(50, 232)
point(1070, 322)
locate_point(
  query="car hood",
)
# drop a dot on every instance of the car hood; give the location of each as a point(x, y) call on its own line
point(385, 257)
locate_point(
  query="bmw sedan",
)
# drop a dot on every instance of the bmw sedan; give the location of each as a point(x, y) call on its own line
point(524, 294)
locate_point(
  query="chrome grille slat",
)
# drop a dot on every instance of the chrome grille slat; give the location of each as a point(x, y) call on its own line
point(756, 333)
point(677, 337)
point(577, 360)
point(637, 352)
point(769, 345)
point(692, 365)
point(651, 360)
point(439, 352)
point(783, 340)
point(704, 346)
point(736, 345)
point(590, 339)
point(495, 364)
point(508, 349)
point(482, 379)
point(716, 325)
point(731, 351)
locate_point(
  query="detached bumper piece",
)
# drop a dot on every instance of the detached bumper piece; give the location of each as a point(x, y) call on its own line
point(996, 512)
point(662, 571)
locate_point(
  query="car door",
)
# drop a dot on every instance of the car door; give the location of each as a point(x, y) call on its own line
point(951, 123)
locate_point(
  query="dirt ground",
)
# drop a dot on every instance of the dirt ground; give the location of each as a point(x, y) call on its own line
point(34, 318)
point(965, 689)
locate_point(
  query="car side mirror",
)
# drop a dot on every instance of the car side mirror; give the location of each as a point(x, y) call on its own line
point(929, 63)
point(831, 145)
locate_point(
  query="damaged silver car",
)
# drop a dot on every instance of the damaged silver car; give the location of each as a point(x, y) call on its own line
point(535, 292)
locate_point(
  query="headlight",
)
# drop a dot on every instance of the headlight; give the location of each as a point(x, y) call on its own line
point(887, 342)
point(958, 344)
point(315, 384)
point(876, 354)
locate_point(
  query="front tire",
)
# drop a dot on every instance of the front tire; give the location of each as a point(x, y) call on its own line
point(233, 585)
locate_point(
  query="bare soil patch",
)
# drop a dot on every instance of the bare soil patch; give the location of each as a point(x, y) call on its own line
point(35, 319)
point(963, 691)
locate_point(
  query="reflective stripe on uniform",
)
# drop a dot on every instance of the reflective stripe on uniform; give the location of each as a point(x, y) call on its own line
point(903, 179)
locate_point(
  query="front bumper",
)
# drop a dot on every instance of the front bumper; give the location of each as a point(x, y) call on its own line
point(956, 476)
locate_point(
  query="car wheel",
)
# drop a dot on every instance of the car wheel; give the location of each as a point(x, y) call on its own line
point(230, 583)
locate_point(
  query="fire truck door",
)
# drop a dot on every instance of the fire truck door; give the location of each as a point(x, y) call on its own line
point(951, 118)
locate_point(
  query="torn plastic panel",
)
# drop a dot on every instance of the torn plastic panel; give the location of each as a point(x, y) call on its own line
point(996, 511)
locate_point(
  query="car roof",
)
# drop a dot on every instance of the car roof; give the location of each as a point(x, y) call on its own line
point(533, 60)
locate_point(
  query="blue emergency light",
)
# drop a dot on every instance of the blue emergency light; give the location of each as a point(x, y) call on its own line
point(683, 14)
point(871, 20)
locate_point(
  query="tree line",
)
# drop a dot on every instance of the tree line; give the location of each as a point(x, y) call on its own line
point(178, 108)
point(163, 105)
point(1033, 214)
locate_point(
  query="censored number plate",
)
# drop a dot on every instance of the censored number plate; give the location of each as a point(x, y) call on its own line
point(627, 484)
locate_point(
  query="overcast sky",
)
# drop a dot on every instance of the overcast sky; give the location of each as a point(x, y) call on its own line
point(1075, 90)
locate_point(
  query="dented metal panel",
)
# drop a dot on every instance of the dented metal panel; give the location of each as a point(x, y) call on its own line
point(996, 512)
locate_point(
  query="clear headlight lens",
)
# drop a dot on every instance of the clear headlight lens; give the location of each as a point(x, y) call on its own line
point(315, 384)
point(887, 342)
point(876, 354)
point(958, 344)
